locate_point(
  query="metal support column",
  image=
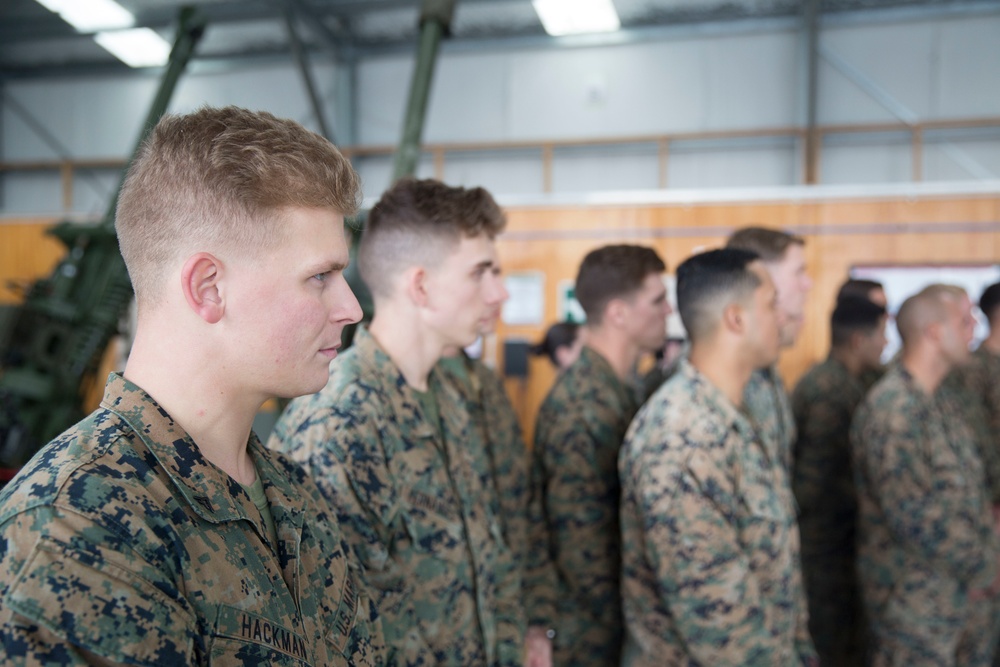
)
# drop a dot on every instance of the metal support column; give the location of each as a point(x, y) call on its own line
point(435, 23)
point(302, 60)
point(812, 137)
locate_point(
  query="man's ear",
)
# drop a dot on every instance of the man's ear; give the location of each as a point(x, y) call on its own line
point(616, 312)
point(415, 284)
point(857, 339)
point(935, 331)
point(201, 278)
point(734, 318)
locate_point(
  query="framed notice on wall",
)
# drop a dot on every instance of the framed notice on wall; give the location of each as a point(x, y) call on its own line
point(904, 280)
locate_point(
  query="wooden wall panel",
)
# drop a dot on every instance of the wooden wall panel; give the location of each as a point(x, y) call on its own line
point(838, 234)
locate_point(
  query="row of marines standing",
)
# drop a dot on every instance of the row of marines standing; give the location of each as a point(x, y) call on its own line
point(411, 528)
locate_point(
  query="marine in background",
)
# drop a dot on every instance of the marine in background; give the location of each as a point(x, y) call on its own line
point(980, 379)
point(710, 572)
point(508, 463)
point(927, 547)
point(766, 400)
point(824, 402)
point(874, 292)
point(562, 344)
point(393, 446)
point(578, 434)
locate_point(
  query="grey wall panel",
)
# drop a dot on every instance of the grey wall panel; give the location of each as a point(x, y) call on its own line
point(510, 172)
point(866, 163)
point(732, 168)
point(605, 168)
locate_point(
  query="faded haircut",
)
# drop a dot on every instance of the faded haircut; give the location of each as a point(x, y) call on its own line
point(613, 272)
point(222, 178)
point(926, 307)
point(854, 314)
point(709, 282)
point(417, 223)
point(770, 245)
point(858, 288)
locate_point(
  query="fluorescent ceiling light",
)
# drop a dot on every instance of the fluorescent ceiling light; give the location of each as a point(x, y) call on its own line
point(139, 47)
point(91, 15)
point(570, 17)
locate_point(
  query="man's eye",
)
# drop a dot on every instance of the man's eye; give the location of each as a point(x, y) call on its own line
point(322, 276)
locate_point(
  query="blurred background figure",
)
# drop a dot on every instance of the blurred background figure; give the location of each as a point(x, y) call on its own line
point(822, 478)
point(927, 549)
point(865, 289)
point(665, 365)
point(562, 344)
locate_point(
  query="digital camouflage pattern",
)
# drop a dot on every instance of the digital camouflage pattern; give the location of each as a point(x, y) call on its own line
point(980, 379)
point(121, 543)
point(413, 501)
point(710, 574)
point(487, 402)
point(766, 401)
point(823, 483)
point(578, 435)
point(925, 530)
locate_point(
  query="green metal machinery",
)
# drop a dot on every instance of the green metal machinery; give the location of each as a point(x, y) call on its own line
point(52, 344)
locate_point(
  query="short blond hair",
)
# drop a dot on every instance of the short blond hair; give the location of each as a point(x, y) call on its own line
point(771, 245)
point(222, 177)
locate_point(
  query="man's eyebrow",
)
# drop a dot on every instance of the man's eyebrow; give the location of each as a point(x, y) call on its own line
point(327, 267)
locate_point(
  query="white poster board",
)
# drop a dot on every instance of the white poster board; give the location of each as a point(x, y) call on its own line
point(903, 281)
point(526, 304)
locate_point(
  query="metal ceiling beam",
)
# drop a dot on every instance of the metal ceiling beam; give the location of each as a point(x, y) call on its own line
point(810, 29)
point(231, 12)
point(302, 60)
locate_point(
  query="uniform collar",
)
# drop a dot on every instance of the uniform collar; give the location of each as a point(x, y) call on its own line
point(592, 363)
point(403, 402)
point(213, 494)
point(708, 394)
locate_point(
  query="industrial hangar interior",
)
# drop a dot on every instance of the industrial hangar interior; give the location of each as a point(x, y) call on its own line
point(867, 129)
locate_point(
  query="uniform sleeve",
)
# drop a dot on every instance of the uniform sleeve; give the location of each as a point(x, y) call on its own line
point(804, 647)
point(540, 581)
point(73, 595)
point(519, 505)
point(580, 508)
point(980, 401)
point(822, 422)
point(702, 572)
point(925, 496)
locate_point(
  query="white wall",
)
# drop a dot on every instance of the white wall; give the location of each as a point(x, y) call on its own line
point(926, 69)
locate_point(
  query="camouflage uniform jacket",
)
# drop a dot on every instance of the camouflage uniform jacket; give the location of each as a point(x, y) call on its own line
point(981, 380)
point(823, 480)
point(578, 435)
point(709, 569)
point(123, 544)
point(508, 460)
point(766, 401)
point(412, 502)
point(925, 527)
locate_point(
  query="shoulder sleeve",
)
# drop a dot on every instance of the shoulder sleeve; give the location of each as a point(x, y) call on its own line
point(67, 596)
